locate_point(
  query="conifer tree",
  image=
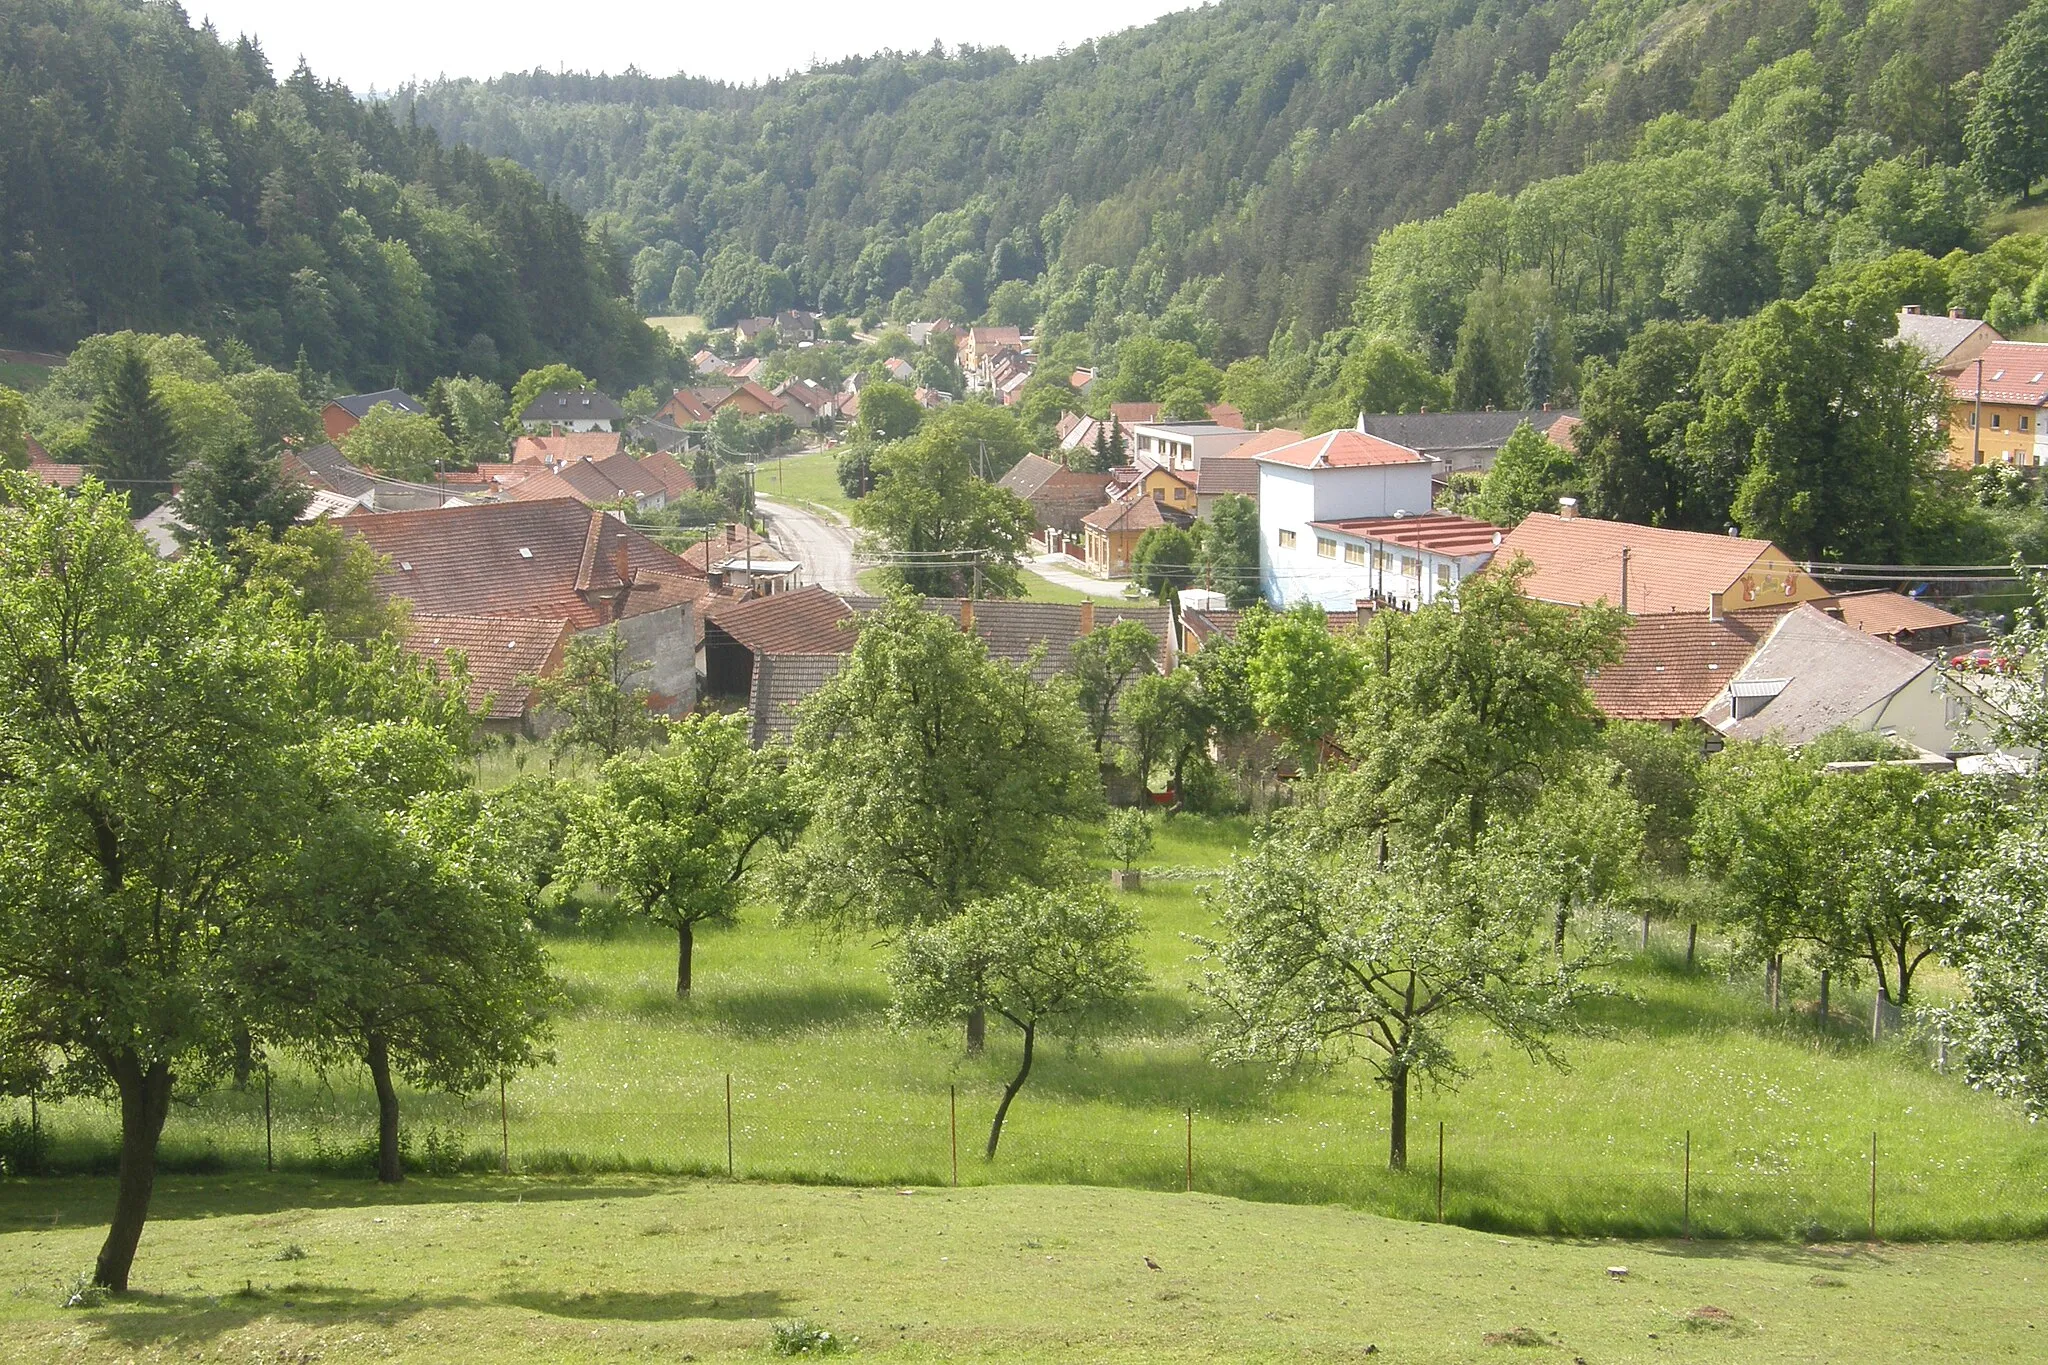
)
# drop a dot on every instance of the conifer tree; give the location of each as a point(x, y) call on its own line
point(132, 445)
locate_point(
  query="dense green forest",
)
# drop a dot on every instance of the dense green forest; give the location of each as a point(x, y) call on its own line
point(1240, 160)
point(157, 178)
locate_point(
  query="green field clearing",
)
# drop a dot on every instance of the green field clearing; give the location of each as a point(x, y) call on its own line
point(27, 378)
point(678, 325)
point(812, 480)
point(289, 1269)
point(826, 1090)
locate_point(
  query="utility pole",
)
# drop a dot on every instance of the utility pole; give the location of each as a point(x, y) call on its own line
point(1624, 580)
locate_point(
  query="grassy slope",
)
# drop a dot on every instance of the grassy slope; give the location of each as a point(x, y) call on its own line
point(678, 325)
point(517, 1270)
point(27, 378)
point(826, 1090)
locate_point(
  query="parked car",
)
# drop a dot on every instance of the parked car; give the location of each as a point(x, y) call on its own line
point(1984, 659)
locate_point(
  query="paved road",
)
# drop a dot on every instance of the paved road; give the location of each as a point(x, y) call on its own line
point(1052, 568)
point(822, 540)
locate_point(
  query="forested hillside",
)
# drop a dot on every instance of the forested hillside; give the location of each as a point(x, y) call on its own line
point(156, 178)
point(1241, 159)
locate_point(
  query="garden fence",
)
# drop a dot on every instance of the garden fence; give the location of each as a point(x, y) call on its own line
point(1636, 1183)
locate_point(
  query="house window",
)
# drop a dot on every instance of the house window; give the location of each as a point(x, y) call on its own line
point(1411, 567)
point(1287, 540)
point(1354, 554)
point(1997, 420)
point(1381, 560)
point(1326, 548)
point(1180, 495)
point(1443, 578)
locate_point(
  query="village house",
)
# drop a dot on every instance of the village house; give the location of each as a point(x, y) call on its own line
point(1111, 532)
point(644, 485)
point(1060, 497)
point(1947, 344)
point(522, 577)
point(1813, 673)
point(1183, 445)
point(1908, 622)
point(572, 410)
point(323, 468)
point(340, 415)
point(564, 447)
point(743, 636)
point(1996, 405)
point(1643, 570)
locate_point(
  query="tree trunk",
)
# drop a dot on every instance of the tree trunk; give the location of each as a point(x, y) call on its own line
point(1824, 997)
point(1774, 970)
point(1397, 1134)
point(995, 1130)
point(1646, 931)
point(145, 1101)
point(389, 1169)
point(245, 1058)
point(1692, 943)
point(686, 944)
point(977, 1032)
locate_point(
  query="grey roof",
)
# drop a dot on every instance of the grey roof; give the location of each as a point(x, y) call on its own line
point(358, 405)
point(331, 469)
point(1230, 474)
point(1936, 334)
point(573, 405)
point(1014, 631)
point(781, 681)
point(1813, 674)
point(1432, 431)
point(1029, 475)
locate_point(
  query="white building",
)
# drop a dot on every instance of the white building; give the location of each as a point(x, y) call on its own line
point(1345, 517)
point(1183, 445)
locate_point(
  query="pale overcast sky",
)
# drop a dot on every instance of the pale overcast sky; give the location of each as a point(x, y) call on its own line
point(381, 43)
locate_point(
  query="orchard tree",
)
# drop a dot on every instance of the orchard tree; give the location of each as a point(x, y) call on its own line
point(1102, 663)
point(1054, 960)
point(935, 777)
point(1326, 955)
point(1999, 946)
point(1664, 770)
point(1469, 705)
point(1302, 680)
point(1579, 846)
point(325, 573)
point(145, 721)
point(398, 445)
point(598, 710)
point(1753, 835)
point(676, 831)
point(1164, 719)
point(400, 942)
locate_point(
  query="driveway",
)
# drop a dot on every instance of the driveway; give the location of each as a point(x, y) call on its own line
point(1053, 569)
point(821, 540)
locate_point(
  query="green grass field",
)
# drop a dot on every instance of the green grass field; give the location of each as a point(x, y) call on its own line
point(288, 1269)
point(678, 325)
point(826, 1090)
point(812, 480)
point(27, 378)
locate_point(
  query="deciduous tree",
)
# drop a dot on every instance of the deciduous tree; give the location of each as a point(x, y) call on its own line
point(398, 445)
point(598, 710)
point(1101, 663)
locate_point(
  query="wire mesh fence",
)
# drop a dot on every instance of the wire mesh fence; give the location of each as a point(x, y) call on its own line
point(1681, 1184)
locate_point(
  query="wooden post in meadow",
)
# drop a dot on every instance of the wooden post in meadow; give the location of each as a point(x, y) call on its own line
point(504, 1132)
point(1873, 1184)
point(728, 1125)
point(953, 1102)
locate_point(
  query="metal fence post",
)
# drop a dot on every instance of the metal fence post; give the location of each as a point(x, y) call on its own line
point(1439, 1170)
point(728, 1125)
point(1188, 1186)
point(504, 1132)
point(1873, 1184)
point(269, 1153)
point(953, 1102)
point(1688, 1185)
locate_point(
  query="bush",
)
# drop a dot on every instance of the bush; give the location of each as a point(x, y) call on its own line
point(799, 1338)
point(24, 1147)
point(1127, 834)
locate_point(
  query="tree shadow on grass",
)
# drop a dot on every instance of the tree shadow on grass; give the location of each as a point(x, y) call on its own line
point(652, 1306)
point(771, 1011)
point(73, 1201)
point(149, 1319)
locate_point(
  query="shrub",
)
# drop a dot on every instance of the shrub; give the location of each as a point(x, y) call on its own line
point(24, 1147)
point(797, 1337)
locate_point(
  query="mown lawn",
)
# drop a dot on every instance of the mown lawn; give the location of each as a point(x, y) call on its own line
point(826, 1090)
point(811, 479)
point(287, 1269)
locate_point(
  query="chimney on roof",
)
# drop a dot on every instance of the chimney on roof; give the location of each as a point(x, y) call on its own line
point(621, 562)
point(1088, 617)
point(1568, 508)
point(1911, 310)
point(1546, 407)
point(967, 614)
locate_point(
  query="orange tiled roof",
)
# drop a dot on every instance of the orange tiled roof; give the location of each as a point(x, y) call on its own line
point(498, 652)
point(2011, 372)
point(1890, 613)
point(1577, 561)
point(1673, 664)
point(572, 445)
point(1345, 449)
point(806, 621)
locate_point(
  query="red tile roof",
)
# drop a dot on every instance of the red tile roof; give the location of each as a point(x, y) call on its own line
point(1673, 664)
point(1345, 449)
point(805, 621)
point(722, 544)
point(1138, 514)
point(52, 473)
point(1889, 614)
point(573, 445)
point(1273, 438)
point(555, 558)
point(1444, 533)
point(2012, 372)
point(669, 472)
point(499, 653)
point(1577, 561)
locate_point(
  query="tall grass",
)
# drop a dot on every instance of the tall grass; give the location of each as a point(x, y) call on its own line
point(1780, 1110)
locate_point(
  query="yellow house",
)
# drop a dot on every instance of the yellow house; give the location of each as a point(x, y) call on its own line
point(1161, 484)
point(1996, 406)
point(1111, 532)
